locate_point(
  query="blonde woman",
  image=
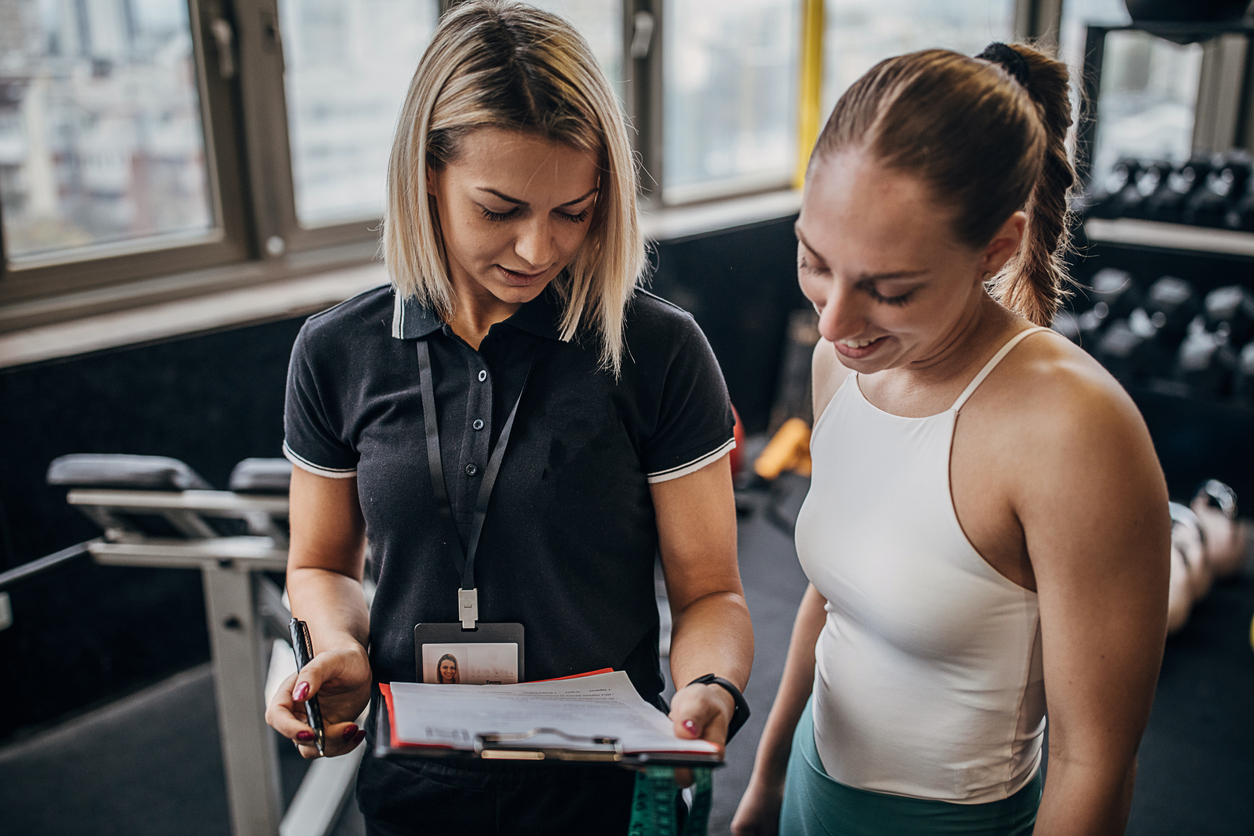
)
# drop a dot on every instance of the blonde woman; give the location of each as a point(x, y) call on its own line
point(514, 313)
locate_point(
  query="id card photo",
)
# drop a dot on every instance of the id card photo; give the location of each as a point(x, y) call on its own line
point(488, 663)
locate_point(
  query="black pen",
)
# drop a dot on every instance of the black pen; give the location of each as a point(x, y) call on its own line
point(302, 646)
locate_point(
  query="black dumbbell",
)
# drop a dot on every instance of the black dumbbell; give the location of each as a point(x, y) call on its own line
point(1205, 362)
point(1230, 310)
point(1130, 350)
point(1118, 187)
point(1172, 304)
point(1113, 294)
point(1209, 205)
point(1150, 180)
point(1167, 204)
point(1068, 324)
point(1243, 377)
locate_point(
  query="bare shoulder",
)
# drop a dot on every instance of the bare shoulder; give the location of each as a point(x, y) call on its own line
point(827, 374)
point(1069, 429)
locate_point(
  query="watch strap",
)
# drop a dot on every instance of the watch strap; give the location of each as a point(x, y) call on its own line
point(742, 707)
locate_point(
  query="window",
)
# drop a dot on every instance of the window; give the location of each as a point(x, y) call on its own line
point(730, 70)
point(1149, 90)
point(102, 143)
point(347, 66)
point(860, 33)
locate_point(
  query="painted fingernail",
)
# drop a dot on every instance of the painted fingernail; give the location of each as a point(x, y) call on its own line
point(350, 731)
point(361, 735)
point(306, 736)
point(301, 692)
point(690, 727)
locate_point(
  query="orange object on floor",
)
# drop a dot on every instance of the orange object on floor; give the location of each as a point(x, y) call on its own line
point(789, 449)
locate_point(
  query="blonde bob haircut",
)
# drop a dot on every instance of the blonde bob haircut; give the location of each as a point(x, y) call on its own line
point(509, 65)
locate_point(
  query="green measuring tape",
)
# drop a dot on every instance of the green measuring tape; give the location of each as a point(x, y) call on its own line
point(653, 805)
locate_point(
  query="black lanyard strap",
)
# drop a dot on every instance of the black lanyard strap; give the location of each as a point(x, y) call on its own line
point(465, 563)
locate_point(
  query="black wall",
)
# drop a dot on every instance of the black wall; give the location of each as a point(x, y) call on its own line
point(88, 633)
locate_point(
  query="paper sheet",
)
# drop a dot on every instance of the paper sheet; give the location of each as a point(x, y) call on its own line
point(601, 705)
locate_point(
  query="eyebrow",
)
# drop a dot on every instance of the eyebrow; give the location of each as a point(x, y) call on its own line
point(866, 277)
point(518, 202)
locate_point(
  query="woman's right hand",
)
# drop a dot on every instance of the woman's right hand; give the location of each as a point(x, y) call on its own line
point(340, 679)
point(758, 812)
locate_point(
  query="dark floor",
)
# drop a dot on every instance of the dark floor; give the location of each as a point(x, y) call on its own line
point(150, 764)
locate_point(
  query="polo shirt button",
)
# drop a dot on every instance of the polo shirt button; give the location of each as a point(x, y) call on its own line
point(482, 375)
point(471, 469)
point(478, 424)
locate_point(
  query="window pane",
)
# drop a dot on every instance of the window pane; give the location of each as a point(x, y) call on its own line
point(601, 24)
point(1077, 16)
point(348, 67)
point(1145, 107)
point(858, 34)
point(101, 140)
point(730, 89)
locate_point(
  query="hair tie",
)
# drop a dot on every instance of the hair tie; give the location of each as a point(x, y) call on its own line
point(1009, 59)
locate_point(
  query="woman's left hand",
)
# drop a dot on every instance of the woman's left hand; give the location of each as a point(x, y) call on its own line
point(702, 711)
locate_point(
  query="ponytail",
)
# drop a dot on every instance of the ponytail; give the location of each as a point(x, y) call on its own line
point(1035, 282)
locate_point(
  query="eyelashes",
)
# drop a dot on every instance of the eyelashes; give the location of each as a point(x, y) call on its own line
point(513, 213)
point(897, 301)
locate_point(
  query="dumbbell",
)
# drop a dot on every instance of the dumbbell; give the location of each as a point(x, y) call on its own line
point(1205, 362)
point(1240, 215)
point(1129, 348)
point(1115, 190)
point(1150, 180)
point(1215, 506)
point(1191, 576)
point(1230, 311)
point(1172, 304)
point(1209, 205)
point(1243, 377)
point(1167, 204)
point(1112, 294)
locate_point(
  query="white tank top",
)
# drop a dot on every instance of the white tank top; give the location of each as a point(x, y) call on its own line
point(928, 679)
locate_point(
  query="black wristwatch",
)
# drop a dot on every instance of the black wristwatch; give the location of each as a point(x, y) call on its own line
point(742, 708)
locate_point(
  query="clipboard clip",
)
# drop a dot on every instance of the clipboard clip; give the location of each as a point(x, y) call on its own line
point(513, 746)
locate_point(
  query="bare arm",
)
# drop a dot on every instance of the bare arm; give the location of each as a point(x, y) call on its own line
point(696, 522)
point(324, 570)
point(758, 813)
point(1094, 516)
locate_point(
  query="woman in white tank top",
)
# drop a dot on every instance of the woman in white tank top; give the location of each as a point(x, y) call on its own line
point(986, 533)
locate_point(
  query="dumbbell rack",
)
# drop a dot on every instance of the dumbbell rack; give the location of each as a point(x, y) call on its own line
point(244, 611)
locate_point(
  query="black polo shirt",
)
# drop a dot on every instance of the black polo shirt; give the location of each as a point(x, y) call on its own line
point(570, 538)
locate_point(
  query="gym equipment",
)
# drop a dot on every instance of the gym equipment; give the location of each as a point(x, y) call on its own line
point(1243, 377)
point(1230, 311)
point(1068, 324)
point(1150, 180)
point(1114, 294)
point(1129, 350)
point(1215, 506)
point(1209, 205)
point(1205, 362)
point(1111, 199)
point(1172, 304)
point(1206, 543)
point(1167, 204)
point(158, 512)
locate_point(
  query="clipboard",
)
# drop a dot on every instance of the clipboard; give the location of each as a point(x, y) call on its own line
point(534, 745)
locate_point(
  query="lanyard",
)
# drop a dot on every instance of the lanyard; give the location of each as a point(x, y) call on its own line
point(467, 594)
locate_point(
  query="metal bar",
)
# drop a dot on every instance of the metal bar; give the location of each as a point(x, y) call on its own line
point(240, 554)
point(1090, 88)
point(210, 503)
point(248, 746)
point(321, 796)
point(810, 89)
point(34, 568)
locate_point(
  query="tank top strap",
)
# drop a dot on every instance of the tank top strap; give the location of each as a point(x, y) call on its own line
point(992, 364)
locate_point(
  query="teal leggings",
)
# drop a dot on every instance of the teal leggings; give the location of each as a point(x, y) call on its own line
point(815, 805)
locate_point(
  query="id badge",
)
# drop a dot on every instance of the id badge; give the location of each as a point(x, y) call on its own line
point(489, 654)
